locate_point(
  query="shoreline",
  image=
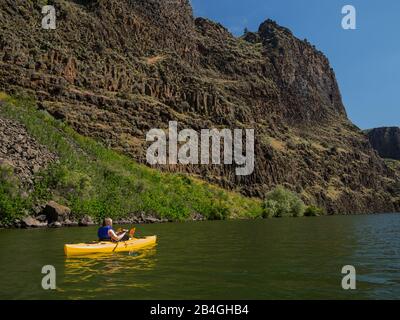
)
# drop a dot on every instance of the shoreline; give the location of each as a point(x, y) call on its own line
point(153, 220)
point(57, 216)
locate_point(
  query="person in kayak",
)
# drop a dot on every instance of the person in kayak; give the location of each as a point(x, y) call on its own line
point(106, 232)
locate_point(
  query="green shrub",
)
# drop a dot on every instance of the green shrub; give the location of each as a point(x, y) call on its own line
point(314, 211)
point(217, 211)
point(271, 208)
point(283, 203)
point(12, 205)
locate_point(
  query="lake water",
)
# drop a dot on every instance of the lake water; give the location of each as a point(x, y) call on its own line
point(264, 259)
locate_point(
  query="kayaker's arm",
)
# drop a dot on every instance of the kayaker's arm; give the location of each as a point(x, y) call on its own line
point(114, 236)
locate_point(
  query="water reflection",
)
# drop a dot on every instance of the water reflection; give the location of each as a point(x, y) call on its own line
point(106, 273)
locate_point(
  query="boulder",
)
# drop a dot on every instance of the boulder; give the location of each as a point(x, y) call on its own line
point(55, 224)
point(124, 221)
point(197, 217)
point(69, 223)
point(56, 212)
point(136, 220)
point(42, 218)
point(144, 218)
point(17, 223)
point(151, 220)
point(86, 221)
point(30, 222)
point(38, 209)
point(140, 218)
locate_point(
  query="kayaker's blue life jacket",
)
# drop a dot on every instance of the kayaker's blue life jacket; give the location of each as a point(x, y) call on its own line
point(103, 233)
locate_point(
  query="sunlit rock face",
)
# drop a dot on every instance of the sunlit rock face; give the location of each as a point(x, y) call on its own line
point(113, 70)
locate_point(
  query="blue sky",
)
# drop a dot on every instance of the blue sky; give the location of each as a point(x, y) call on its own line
point(366, 61)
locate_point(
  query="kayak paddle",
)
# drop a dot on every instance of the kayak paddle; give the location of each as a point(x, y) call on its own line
point(131, 233)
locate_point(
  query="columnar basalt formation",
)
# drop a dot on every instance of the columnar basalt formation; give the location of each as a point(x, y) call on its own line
point(115, 69)
point(386, 141)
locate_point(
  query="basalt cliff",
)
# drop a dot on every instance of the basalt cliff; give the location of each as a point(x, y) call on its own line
point(386, 141)
point(114, 69)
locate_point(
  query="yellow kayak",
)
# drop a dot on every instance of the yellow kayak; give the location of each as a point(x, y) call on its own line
point(108, 247)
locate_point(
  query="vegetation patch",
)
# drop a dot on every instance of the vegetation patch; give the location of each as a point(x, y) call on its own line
point(281, 202)
point(96, 181)
point(12, 204)
point(314, 211)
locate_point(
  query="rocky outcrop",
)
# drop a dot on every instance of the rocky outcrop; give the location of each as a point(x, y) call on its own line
point(21, 153)
point(55, 212)
point(386, 141)
point(115, 69)
point(86, 221)
point(141, 218)
point(30, 222)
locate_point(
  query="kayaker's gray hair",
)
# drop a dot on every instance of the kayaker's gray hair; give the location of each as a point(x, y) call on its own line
point(107, 222)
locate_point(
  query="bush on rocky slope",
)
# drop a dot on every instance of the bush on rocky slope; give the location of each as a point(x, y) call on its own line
point(283, 203)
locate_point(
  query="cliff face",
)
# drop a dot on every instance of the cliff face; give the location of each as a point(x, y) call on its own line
point(386, 141)
point(115, 69)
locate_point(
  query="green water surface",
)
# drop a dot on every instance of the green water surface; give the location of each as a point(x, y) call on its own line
point(263, 259)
